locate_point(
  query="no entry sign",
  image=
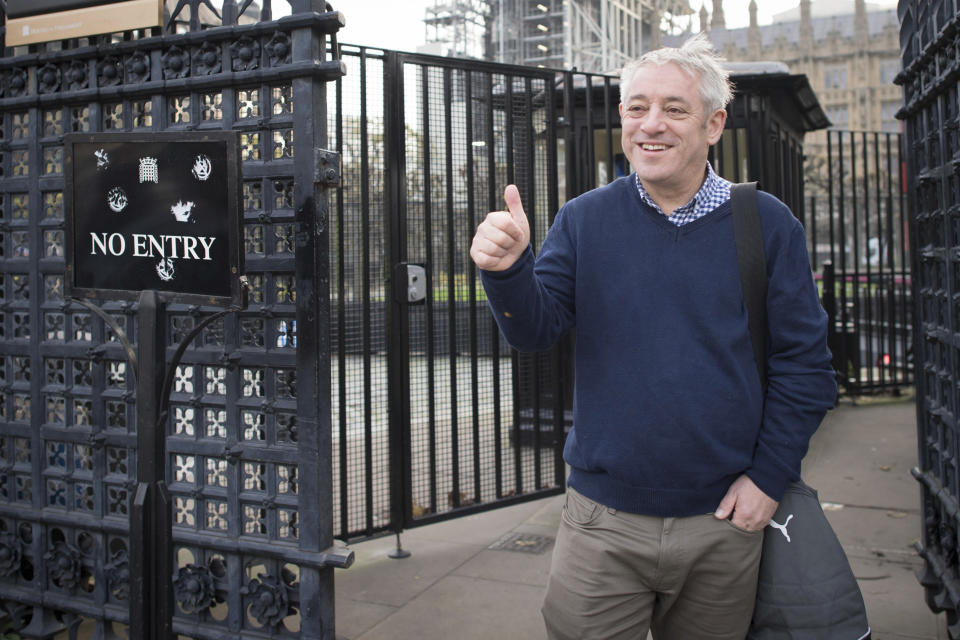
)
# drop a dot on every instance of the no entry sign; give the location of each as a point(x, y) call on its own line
point(157, 211)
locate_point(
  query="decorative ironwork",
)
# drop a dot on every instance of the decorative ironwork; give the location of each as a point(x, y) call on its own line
point(138, 67)
point(118, 574)
point(77, 75)
point(176, 63)
point(48, 79)
point(109, 72)
point(194, 588)
point(245, 54)
point(278, 49)
point(206, 59)
point(63, 565)
point(268, 600)
point(10, 554)
point(17, 85)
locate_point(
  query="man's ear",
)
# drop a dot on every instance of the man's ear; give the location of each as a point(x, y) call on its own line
point(620, 107)
point(715, 124)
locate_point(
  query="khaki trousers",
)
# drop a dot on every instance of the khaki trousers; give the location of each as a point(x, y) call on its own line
point(616, 575)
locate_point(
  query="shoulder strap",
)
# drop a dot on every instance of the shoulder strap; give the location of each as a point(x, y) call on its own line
point(753, 268)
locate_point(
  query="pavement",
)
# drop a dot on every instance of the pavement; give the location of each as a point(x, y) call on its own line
point(483, 576)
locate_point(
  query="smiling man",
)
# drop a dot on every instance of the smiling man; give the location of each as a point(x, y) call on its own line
point(678, 455)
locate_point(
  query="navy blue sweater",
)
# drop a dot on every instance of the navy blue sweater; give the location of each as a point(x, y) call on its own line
point(668, 406)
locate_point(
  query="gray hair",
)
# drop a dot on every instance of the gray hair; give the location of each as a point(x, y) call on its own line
point(698, 59)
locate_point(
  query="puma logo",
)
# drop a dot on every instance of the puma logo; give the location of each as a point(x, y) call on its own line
point(782, 527)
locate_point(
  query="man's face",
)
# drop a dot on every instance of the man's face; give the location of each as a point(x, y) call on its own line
point(667, 132)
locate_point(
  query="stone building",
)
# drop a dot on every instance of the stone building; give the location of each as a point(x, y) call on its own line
point(849, 50)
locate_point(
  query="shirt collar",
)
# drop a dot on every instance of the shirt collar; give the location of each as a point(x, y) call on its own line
point(708, 190)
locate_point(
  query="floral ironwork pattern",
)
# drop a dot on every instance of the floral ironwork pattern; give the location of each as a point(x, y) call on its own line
point(206, 59)
point(278, 49)
point(63, 564)
point(76, 75)
point(118, 574)
point(17, 85)
point(193, 588)
point(268, 600)
point(176, 63)
point(245, 54)
point(9, 554)
point(109, 72)
point(48, 79)
point(138, 67)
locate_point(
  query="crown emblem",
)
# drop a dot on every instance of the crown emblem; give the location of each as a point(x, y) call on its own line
point(148, 170)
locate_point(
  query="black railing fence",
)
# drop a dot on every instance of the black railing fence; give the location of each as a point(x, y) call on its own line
point(858, 239)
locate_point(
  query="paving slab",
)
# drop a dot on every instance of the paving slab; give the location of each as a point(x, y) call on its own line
point(467, 608)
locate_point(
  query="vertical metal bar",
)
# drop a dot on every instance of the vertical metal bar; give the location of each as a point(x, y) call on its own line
point(451, 287)
point(494, 329)
point(842, 312)
point(312, 281)
point(398, 321)
point(892, 268)
point(907, 266)
point(510, 139)
point(881, 301)
point(857, 309)
point(867, 313)
point(590, 175)
point(151, 526)
point(365, 301)
point(560, 367)
point(813, 234)
point(532, 205)
point(428, 256)
point(473, 219)
point(569, 143)
point(830, 211)
point(342, 332)
point(735, 138)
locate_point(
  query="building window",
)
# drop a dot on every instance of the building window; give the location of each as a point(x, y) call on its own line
point(839, 116)
point(835, 76)
point(889, 70)
point(888, 116)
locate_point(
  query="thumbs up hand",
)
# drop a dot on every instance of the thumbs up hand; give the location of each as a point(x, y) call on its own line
point(503, 236)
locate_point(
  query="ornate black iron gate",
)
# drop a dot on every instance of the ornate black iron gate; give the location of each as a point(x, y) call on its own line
point(248, 429)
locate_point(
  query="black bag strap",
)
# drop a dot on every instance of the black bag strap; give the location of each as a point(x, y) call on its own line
point(752, 261)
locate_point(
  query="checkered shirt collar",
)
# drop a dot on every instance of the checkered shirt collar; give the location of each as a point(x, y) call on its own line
point(714, 192)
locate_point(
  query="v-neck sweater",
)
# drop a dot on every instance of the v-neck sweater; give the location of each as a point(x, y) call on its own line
point(668, 406)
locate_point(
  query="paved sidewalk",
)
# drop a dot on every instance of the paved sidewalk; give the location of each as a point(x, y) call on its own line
point(455, 586)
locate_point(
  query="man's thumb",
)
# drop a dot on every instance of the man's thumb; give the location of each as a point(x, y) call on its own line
point(726, 507)
point(512, 195)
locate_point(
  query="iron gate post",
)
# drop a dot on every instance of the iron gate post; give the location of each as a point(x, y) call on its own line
point(151, 527)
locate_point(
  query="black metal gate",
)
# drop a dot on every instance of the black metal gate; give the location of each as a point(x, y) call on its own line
point(931, 113)
point(857, 225)
point(248, 430)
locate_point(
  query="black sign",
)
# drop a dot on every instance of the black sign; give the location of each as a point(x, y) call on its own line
point(156, 211)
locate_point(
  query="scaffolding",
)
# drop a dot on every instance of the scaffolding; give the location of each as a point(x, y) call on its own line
point(589, 35)
point(457, 27)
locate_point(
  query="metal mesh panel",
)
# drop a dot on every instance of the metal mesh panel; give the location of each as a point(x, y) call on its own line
point(468, 134)
point(361, 463)
point(240, 478)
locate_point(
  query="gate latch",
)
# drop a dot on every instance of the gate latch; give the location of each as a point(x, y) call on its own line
point(416, 276)
point(326, 170)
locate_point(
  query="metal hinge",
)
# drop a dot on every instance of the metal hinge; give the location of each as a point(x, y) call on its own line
point(327, 168)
